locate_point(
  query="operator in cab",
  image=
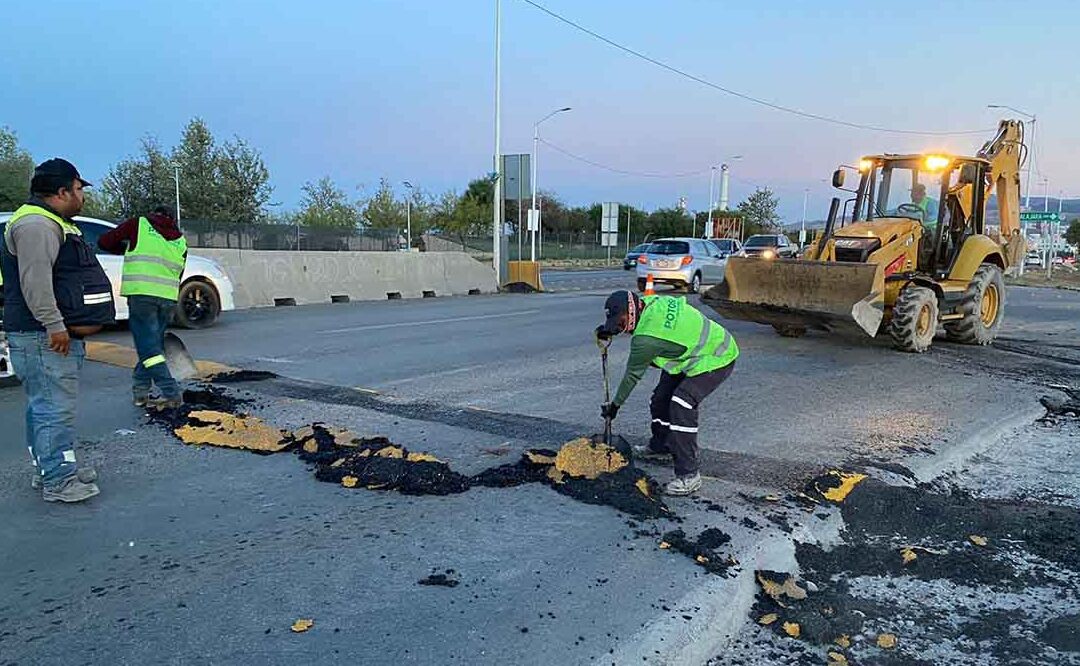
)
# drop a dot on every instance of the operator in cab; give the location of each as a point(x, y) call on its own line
point(927, 205)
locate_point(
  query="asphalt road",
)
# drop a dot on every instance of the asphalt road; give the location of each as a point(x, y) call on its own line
point(207, 556)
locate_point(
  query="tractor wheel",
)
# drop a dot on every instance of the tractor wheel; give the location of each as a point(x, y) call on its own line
point(983, 307)
point(789, 330)
point(914, 319)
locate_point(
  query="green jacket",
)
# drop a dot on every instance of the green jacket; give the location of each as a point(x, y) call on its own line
point(674, 336)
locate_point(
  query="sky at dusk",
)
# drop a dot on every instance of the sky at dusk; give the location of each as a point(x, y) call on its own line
point(359, 89)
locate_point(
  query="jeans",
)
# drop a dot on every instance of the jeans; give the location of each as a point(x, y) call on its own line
point(51, 382)
point(149, 316)
point(674, 409)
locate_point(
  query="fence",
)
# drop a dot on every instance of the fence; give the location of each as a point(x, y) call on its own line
point(289, 237)
point(556, 246)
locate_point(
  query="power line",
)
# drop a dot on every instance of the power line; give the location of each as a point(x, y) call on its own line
point(735, 93)
point(624, 172)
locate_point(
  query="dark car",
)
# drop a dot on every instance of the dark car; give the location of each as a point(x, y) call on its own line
point(770, 246)
point(630, 260)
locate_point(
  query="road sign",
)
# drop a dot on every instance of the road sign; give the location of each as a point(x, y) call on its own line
point(609, 217)
point(534, 219)
point(1038, 217)
point(516, 177)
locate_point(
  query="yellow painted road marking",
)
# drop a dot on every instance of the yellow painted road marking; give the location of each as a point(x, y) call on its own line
point(126, 357)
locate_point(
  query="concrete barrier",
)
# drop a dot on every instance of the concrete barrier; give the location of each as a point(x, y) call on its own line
point(261, 277)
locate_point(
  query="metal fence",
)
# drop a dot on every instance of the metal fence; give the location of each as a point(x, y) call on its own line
point(289, 237)
point(556, 246)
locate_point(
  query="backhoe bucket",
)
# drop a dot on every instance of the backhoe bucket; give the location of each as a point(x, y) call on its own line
point(827, 296)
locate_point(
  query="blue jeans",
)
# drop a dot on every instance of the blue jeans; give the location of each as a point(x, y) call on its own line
point(51, 382)
point(149, 316)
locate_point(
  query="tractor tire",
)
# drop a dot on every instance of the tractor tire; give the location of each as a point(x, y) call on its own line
point(789, 330)
point(914, 319)
point(983, 308)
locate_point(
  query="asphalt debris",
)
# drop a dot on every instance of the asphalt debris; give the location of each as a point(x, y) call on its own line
point(238, 376)
point(703, 549)
point(439, 580)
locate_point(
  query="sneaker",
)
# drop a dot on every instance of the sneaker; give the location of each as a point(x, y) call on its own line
point(684, 485)
point(84, 474)
point(645, 452)
point(70, 490)
point(167, 403)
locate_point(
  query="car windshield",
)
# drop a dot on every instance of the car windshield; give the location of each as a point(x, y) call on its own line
point(761, 241)
point(640, 248)
point(669, 247)
point(908, 192)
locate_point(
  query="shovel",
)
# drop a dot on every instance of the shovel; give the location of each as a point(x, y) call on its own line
point(607, 387)
point(180, 363)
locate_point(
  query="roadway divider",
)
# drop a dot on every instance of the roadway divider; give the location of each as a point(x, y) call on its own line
point(265, 277)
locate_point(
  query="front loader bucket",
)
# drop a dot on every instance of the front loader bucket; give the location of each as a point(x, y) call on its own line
point(827, 296)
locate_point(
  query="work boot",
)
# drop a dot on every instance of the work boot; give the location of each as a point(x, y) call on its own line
point(162, 404)
point(70, 490)
point(684, 485)
point(646, 452)
point(140, 401)
point(84, 474)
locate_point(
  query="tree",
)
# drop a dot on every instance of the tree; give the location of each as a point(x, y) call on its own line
point(383, 210)
point(244, 183)
point(759, 211)
point(16, 168)
point(1072, 234)
point(669, 222)
point(197, 157)
point(327, 206)
point(136, 184)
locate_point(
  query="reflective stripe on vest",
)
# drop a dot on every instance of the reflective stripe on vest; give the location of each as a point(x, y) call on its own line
point(709, 346)
point(155, 266)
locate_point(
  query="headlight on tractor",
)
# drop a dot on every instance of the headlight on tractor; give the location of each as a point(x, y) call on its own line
point(768, 254)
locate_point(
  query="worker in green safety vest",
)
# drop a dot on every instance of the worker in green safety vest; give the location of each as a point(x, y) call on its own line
point(927, 205)
point(694, 354)
point(154, 252)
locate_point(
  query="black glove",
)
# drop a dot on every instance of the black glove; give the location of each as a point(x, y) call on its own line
point(602, 333)
point(609, 410)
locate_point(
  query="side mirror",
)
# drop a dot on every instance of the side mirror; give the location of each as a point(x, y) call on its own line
point(838, 178)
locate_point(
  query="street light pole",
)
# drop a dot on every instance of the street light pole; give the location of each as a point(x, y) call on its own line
point(408, 215)
point(176, 179)
point(802, 229)
point(712, 201)
point(536, 178)
point(496, 223)
point(1031, 150)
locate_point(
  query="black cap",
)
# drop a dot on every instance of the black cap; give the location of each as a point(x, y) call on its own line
point(617, 304)
point(51, 175)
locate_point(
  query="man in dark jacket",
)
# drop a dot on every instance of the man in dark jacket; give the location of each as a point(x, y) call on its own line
point(154, 255)
point(55, 293)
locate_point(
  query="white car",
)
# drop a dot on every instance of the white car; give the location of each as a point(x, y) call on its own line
point(205, 289)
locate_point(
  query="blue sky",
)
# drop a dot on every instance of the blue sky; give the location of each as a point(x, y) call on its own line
point(367, 88)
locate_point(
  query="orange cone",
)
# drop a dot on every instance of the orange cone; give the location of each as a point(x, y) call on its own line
point(650, 290)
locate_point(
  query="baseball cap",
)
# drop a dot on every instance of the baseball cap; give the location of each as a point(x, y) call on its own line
point(619, 303)
point(55, 173)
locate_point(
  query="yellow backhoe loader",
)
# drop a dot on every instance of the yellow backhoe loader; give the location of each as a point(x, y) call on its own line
point(916, 252)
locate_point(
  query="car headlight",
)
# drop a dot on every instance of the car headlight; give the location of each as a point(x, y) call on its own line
point(768, 254)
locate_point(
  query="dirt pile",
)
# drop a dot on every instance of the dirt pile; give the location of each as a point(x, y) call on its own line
point(238, 376)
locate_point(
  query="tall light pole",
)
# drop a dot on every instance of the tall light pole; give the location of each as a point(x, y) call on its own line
point(408, 215)
point(802, 228)
point(496, 200)
point(1031, 149)
point(535, 178)
point(176, 179)
point(712, 201)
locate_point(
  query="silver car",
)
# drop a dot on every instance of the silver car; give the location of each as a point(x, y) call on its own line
point(682, 262)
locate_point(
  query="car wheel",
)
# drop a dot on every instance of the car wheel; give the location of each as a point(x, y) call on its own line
point(694, 286)
point(198, 305)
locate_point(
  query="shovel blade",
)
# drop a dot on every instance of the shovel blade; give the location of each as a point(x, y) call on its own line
point(180, 363)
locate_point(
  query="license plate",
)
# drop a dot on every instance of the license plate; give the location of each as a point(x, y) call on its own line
point(663, 263)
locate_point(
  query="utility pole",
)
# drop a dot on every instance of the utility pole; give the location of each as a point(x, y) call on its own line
point(176, 179)
point(627, 227)
point(496, 222)
point(1049, 229)
point(723, 187)
point(802, 229)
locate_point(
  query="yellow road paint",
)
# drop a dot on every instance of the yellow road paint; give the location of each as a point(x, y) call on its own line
point(302, 625)
point(231, 431)
point(539, 458)
point(848, 481)
point(349, 481)
point(908, 555)
point(843, 641)
point(886, 641)
point(421, 457)
point(643, 487)
point(768, 619)
point(837, 659)
point(777, 591)
point(792, 629)
point(582, 458)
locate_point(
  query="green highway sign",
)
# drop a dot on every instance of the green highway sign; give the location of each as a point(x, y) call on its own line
point(1038, 217)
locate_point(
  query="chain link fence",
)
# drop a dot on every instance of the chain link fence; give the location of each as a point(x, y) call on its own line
point(289, 237)
point(556, 246)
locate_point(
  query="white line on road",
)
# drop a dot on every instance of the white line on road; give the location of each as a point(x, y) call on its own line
point(429, 322)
